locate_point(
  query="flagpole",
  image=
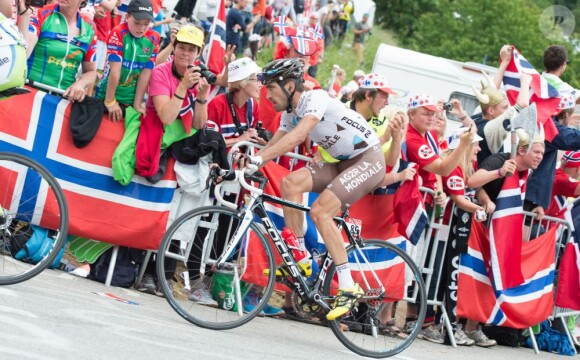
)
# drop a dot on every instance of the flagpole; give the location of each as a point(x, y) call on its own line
point(212, 31)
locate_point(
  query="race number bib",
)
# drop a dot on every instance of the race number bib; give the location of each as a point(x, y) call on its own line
point(354, 226)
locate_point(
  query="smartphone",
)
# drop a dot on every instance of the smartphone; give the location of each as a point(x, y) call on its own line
point(35, 3)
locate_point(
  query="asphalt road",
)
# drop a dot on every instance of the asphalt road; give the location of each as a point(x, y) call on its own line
point(59, 316)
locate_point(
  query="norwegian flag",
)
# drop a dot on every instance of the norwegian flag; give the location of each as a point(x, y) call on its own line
point(542, 93)
point(374, 225)
point(318, 32)
point(517, 307)
point(215, 49)
point(280, 25)
point(568, 292)
point(506, 233)
point(187, 111)
point(37, 125)
point(410, 211)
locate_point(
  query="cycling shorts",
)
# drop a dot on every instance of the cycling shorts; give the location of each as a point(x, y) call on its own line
point(350, 179)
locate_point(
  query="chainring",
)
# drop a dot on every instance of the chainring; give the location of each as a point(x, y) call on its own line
point(305, 310)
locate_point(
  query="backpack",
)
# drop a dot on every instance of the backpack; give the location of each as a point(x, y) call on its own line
point(32, 243)
point(126, 267)
point(503, 335)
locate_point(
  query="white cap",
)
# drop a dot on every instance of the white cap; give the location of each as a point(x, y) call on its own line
point(453, 140)
point(241, 69)
point(358, 73)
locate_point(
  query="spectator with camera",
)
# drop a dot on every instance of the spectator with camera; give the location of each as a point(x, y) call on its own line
point(177, 82)
point(131, 51)
point(61, 40)
point(235, 114)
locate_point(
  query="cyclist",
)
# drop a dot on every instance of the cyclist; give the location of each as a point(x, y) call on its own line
point(342, 132)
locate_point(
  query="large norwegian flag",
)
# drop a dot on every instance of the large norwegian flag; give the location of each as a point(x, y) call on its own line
point(215, 49)
point(568, 292)
point(38, 125)
point(517, 307)
point(375, 225)
point(542, 93)
point(506, 232)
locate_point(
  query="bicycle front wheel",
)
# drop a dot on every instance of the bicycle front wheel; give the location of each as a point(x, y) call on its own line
point(204, 295)
point(29, 194)
point(388, 276)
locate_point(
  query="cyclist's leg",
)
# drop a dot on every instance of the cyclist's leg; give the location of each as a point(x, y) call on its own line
point(358, 176)
point(292, 187)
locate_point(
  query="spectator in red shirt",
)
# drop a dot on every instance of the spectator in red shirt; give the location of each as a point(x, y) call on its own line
point(566, 183)
point(241, 101)
point(422, 143)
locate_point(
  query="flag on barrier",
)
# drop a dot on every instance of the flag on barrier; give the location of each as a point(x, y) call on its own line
point(568, 293)
point(505, 232)
point(409, 210)
point(37, 125)
point(542, 93)
point(517, 307)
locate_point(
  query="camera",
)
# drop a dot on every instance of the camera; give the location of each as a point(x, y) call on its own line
point(206, 73)
point(263, 133)
point(35, 3)
point(448, 106)
point(480, 215)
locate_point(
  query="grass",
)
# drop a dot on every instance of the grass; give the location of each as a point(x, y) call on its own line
point(343, 55)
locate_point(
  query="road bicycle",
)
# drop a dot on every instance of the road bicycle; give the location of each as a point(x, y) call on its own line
point(233, 244)
point(29, 194)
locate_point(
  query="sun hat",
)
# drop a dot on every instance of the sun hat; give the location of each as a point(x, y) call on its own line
point(190, 35)
point(422, 100)
point(375, 81)
point(241, 69)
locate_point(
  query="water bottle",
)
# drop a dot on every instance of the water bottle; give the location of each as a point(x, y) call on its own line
point(292, 242)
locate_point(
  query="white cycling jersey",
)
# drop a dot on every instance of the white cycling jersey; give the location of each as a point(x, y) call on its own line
point(342, 132)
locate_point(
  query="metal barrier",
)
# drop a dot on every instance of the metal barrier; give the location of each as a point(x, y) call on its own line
point(434, 238)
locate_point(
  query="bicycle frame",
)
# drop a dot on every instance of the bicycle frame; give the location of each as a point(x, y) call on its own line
point(299, 283)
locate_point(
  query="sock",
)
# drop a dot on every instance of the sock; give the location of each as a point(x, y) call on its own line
point(345, 280)
point(306, 259)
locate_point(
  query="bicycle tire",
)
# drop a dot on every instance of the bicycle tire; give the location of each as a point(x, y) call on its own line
point(364, 342)
point(198, 230)
point(26, 188)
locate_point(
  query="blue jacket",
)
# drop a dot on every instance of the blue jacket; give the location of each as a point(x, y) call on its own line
point(539, 188)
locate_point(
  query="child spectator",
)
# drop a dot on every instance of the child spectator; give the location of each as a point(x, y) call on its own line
point(132, 48)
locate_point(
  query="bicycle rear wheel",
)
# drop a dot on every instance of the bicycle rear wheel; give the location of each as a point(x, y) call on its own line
point(387, 274)
point(215, 299)
point(29, 194)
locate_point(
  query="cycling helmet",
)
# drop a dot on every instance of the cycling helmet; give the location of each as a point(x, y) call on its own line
point(280, 70)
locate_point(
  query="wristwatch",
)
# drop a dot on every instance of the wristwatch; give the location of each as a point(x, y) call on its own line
point(201, 101)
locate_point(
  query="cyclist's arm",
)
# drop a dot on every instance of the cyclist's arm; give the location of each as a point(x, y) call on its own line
point(287, 141)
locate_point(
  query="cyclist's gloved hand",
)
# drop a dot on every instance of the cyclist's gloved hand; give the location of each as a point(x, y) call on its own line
point(243, 160)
